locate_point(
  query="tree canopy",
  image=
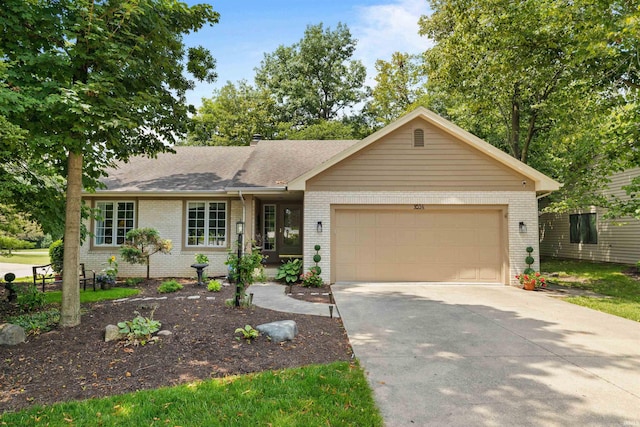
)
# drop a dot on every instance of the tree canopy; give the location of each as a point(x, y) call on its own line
point(314, 79)
point(93, 82)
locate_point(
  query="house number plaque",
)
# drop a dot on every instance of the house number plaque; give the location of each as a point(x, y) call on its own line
point(418, 207)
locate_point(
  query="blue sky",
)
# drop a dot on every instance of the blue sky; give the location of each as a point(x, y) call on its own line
point(250, 28)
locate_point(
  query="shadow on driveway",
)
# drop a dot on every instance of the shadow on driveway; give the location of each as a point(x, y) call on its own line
point(491, 356)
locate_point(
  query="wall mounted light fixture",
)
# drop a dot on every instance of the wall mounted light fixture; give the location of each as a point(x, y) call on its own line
point(522, 227)
point(319, 227)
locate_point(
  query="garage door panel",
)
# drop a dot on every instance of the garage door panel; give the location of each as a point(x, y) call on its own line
point(418, 245)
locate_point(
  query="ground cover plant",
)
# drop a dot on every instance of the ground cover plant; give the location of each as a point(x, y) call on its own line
point(70, 364)
point(93, 296)
point(332, 394)
point(619, 283)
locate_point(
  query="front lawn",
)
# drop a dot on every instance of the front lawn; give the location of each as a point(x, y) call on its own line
point(316, 395)
point(605, 279)
point(93, 296)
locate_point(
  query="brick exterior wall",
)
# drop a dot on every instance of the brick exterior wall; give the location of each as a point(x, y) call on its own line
point(521, 206)
point(166, 216)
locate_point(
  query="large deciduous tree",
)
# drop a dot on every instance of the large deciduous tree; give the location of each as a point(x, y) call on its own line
point(314, 79)
point(554, 83)
point(398, 86)
point(95, 81)
point(232, 116)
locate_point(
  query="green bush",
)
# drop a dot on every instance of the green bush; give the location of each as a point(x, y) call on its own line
point(133, 281)
point(140, 329)
point(36, 323)
point(56, 255)
point(169, 286)
point(30, 298)
point(290, 271)
point(311, 279)
point(214, 286)
point(202, 259)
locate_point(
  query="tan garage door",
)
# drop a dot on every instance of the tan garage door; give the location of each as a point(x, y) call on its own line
point(418, 245)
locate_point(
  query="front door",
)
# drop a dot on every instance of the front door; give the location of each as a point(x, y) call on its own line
point(281, 231)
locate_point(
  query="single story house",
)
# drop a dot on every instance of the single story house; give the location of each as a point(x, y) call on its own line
point(420, 200)
point(588, 235)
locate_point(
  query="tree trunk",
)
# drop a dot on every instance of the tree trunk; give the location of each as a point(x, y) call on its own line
point(515, 123)
point(70, 314)
point(148, 267)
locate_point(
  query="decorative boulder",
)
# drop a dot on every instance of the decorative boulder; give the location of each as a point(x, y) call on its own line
point(111, 333)
point(11, 334)
point(283, 330)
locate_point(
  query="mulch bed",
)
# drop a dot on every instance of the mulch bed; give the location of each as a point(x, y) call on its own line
point(322, 294)
point(75, 363)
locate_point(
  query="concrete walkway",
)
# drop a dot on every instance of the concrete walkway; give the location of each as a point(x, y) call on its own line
point(272, 296)
point(491, 356)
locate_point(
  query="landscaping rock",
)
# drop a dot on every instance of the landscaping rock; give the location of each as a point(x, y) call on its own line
point(11, 334)
point(164, 333)
point(111, 333)
point(283, 330)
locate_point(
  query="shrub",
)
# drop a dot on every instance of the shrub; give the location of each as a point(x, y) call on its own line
point(140, 329)
point(290, 271)
point(214, 286)
point(133, 281)
point(141, 243)
point(311, 279)
point(242, 269)
point(39, 322)
point(56, 256)
point(30, 298)
point(169, 286)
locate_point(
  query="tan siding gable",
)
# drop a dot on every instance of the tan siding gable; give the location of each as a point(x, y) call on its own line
point(393, 163)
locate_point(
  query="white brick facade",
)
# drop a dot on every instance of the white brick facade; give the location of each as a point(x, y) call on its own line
point(521, 207)
point(166, 216)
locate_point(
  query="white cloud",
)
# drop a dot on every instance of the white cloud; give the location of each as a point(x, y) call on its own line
point(384, 29)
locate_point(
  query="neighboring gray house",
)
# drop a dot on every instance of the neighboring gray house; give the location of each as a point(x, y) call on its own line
point(587, 235)
point(420, 200)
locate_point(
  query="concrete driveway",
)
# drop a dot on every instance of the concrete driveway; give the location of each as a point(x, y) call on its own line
point(491, 356)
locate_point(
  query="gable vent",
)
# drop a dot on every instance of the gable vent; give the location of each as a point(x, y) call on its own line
point(418, 138)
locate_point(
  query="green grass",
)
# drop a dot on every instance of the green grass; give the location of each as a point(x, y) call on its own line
point(605, 279)
point(93, 296)
point(320, 395)
point(28, 256)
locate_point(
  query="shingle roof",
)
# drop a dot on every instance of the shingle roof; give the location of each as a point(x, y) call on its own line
point(205, 169)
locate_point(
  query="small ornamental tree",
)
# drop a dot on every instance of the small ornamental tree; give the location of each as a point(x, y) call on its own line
point(141, 243)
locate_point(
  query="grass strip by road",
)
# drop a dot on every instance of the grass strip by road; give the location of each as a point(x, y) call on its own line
point(318, 395)
point(602, 278)
point(28, 256)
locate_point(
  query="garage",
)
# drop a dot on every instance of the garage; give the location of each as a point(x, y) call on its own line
point(417, 243)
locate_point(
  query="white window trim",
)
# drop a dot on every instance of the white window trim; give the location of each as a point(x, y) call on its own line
point(206, 222)
point(115, 219)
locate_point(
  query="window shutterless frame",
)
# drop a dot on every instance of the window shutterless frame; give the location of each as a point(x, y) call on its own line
point(206, 224)
point(114, 220)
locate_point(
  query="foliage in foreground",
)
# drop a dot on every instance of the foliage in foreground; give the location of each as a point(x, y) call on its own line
point(35, 323)
point(317, 395)
point(604, 279)
point(169, 286)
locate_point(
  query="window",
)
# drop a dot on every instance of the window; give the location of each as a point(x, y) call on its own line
point(269, 216)
point(583, 228)
point(115, 219)
point(418, 138)
point(207, 224)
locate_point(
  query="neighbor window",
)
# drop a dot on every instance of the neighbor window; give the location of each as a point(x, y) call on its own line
point(583, 228)
point(418, 138)
point(113, 222)
point(207, 224)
